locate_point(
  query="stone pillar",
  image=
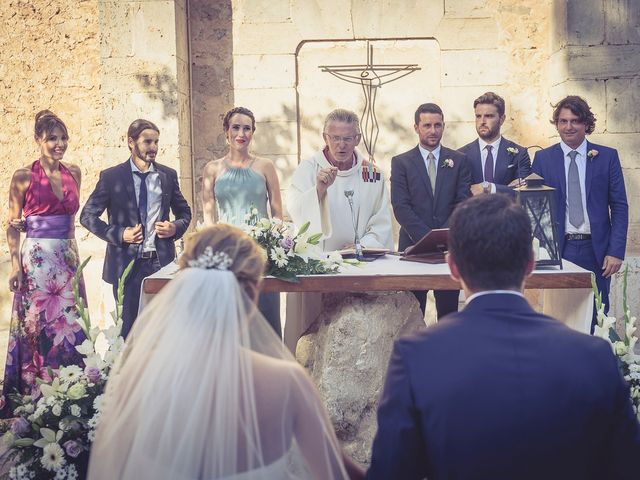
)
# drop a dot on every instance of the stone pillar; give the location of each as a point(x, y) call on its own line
point(212, 91)
point(596, 54)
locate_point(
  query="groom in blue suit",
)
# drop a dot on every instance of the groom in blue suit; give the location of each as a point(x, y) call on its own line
point(496, 163)
point(593, 214)
point(499, 391)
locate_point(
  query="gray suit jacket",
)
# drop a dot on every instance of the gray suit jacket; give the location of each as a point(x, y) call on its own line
point(417, 208)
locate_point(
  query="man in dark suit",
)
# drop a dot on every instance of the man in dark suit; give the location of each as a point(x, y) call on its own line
point(592, 211)
point(137, 195)
point(427, 182)
point(496, 163)
point(499, 391)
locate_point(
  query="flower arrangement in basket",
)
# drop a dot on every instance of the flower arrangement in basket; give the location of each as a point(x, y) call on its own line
point(623, 346)
point(53, 430)
point(290, 254)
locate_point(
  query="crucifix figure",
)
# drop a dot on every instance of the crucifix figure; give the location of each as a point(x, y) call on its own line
point(371, 77)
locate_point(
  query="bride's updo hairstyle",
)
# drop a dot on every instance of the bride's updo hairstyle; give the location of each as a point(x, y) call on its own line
point(246, 256)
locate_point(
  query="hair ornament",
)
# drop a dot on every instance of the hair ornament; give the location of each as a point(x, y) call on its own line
point(208, 260)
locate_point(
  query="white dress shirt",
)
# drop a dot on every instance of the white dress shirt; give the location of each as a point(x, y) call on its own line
point(154, 203)
point(425, 153)
point(581, 161)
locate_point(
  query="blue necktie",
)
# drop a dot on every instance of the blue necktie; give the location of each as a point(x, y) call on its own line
point(142, 199)
point(488, 165)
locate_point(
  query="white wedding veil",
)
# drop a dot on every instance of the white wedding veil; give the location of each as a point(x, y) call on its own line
point(205, 389)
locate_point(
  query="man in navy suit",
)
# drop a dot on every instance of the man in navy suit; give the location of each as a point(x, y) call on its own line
point(427, 182)
point(137, 195)
point(496, 162)
point(499, 391)
point(591, 201)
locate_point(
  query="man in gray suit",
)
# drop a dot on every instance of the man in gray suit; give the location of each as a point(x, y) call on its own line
point(427, 182)
point(496, 163)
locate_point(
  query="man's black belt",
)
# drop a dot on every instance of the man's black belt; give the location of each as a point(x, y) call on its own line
point(152, 254)
point(577, 236)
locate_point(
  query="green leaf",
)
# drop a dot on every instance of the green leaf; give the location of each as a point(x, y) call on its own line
point(303, 228)
point(314, 239)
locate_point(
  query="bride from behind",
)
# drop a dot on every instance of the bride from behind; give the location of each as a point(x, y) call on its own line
point(205, 389)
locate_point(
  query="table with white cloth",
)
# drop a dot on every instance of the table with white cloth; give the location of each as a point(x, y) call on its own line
point(567, 292)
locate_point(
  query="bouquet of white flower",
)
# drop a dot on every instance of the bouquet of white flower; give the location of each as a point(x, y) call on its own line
point(53, 431)
point(288, 253)
point(623, 347)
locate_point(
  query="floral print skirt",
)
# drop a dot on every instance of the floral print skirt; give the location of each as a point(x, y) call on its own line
point(44, 321)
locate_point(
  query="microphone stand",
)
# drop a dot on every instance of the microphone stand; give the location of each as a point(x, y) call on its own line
point(354, 222)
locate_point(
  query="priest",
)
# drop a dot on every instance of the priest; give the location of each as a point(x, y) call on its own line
point(339, 192)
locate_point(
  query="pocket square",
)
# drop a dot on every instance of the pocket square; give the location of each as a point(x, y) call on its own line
point(511, 166)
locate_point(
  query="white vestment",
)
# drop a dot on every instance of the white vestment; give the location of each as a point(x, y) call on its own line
point(331, 216)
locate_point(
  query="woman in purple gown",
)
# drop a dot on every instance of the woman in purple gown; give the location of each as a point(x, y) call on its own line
point(44, 328)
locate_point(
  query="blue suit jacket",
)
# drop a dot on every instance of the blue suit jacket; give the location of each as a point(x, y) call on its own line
point(115, 193)
point(606, 197)
point(417, 208)
point(508, 167)
point(499, 391)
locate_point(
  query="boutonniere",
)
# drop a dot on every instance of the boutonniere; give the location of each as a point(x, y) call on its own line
point(513, 151)
point(448, 163)
point(592, 153)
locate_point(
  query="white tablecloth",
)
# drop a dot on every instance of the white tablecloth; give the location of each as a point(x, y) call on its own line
point(573, 306)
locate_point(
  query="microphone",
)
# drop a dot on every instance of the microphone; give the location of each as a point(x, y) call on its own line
point(354, 221)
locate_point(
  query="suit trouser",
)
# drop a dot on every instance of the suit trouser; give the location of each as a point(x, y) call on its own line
point(143, 267)
point(581, 253)
point(269, 306)
point(446, 301)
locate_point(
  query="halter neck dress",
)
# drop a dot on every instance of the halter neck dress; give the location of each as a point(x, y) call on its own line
point(44, 327)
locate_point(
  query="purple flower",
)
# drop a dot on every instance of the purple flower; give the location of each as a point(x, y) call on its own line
point(72, 448)
point(20, 426)
point(286, 243)
point(93, 374)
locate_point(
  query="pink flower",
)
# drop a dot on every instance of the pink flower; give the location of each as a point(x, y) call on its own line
point(592, 153)
point(33, 370)
point(54, 298)
point(62, 329)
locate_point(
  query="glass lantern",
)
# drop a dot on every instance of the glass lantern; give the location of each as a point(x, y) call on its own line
point(539, 201)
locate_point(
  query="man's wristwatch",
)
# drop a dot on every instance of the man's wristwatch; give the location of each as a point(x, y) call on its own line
point(486, 187)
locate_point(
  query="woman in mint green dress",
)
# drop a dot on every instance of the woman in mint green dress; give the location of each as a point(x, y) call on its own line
point(235, 183)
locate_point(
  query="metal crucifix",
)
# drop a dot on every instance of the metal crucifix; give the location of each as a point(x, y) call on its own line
point(370, 77)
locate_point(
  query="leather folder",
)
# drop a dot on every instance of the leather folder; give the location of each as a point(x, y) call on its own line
point(429, 249)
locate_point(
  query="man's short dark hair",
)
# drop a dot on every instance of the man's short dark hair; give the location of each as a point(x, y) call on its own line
point(427, 108)
point(579, 107)
point(138, 126)
point(490, 98)
point(490, 242)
